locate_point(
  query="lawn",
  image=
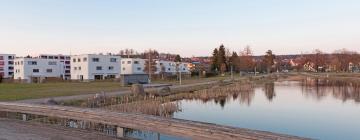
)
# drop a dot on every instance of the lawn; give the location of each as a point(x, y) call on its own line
point(13, 91)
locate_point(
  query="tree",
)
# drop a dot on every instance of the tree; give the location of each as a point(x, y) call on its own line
point(214, 63)
point(177, 58)
point(150, 64)
point(269, 60)
point(246, 62)
point(234, 61)
point(221, 59)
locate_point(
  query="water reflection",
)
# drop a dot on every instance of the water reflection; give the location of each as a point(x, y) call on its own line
point(269, 90)
point(318, 88)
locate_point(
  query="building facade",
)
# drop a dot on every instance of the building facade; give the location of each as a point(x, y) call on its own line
point(35, 70)
point(95, 67)
point(170, 67)
point(132, 66)
point(65, 59)
point(7, 65)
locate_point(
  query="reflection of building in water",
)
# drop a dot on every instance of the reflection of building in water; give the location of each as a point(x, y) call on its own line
point(269, 90)
point(339, 89)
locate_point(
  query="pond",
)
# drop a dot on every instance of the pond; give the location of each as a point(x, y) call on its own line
point(312, 108)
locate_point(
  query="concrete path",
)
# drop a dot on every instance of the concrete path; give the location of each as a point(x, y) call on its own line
point(19, 130)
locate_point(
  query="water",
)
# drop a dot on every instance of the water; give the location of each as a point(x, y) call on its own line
point(319, 109)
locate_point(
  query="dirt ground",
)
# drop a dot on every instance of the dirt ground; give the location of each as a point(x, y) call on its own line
point(19, 130)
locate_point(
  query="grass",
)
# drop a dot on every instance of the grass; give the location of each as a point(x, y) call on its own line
point(16, 91)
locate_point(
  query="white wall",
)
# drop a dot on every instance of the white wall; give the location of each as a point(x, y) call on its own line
point(6, 65)
point(24, 70)
point(132, 66)
point(171, 67)
point(84, 66)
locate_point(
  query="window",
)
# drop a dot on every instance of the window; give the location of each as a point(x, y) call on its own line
point(84, 59)
point(129, 62)
point(74, 60)
point(51, 57)
point(67, 62)
point(111, 68)
point(55, 57)
point(11, 68)
point(75, 68)
point(11, 73)
point(168, 69)
point(136, 62)
point(67, 67)
point(11, 62)
point(161, 64)
point(52, 63)
point(183, 69)
point(123, 68)
point(62, 57)
point(113, 59)
point(1, 73)
point(10, 57)
point(79, 68)
point(98, 68)
point(123, 62)
point(35, 70)
point(49, 70)
point(79, 60)
point(68, 58)
point(1, 62)
point(139, 68)
point(67, 71)
point(1, 69)
point(1, 57)
point(22, 62)
point(32, 63)
point(95, 59)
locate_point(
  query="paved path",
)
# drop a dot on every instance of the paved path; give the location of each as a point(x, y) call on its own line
point(19, 130)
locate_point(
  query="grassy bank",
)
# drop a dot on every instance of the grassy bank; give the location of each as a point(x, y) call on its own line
point(13, 91)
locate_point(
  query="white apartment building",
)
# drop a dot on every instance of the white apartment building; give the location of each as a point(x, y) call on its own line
point(95, 67)
point(7, 65)
point(132, 66)
point(65, 59)
point(171, 67)
point(34, 70)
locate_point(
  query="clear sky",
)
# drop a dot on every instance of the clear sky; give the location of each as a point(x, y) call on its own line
point(187, 27)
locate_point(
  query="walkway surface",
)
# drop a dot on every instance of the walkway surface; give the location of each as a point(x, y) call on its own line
point(19, 130)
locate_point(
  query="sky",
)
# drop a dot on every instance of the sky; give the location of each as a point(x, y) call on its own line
point(185, 27)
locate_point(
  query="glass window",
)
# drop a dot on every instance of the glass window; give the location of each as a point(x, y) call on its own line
point(49, 70)
point(95, 59)
point(129, 62)
point(74, 60)
point(136, 62)
point(35, 70)
point(98, 68)
point(79, 60)
point(32, 63)
point(113, 59)
point(84, 59)
point(79, 68)
point(52, 63)
point(123, 62)
point(123, 68)
point(111, 68)
point(1, 57)
point(139, 68)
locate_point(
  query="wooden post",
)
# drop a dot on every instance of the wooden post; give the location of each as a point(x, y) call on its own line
point(120, 132)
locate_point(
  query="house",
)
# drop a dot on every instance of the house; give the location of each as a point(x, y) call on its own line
point(132, 66)
point(170, 67)
point(89, 67)
point(7, 65)
point(132, 71)
point(65, 59)
point(35, 70)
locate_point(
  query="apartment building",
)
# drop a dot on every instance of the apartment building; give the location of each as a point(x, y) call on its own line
point(7, 65)
point(132, 66)
point(171, 67)
point(95, 67)
point(65, 59)
point(35, 70)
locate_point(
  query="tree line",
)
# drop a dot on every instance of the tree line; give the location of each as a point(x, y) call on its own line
point(223, 60)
